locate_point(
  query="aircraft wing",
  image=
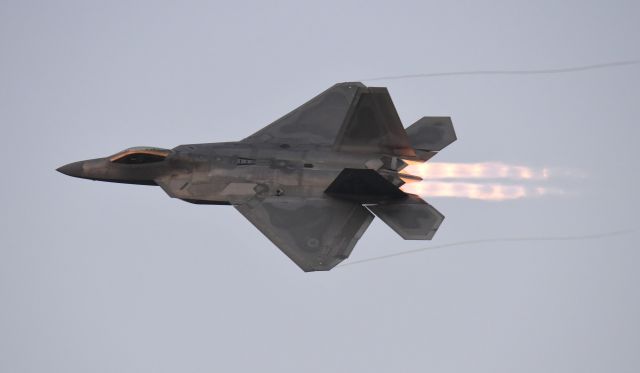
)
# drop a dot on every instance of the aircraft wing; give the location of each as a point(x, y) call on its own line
point(316, 233)
point(317, 121)
point(348, 116)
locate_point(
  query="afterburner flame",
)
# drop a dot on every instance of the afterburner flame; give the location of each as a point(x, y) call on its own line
point(474, 180)
point(487, 192)
point(485, 170)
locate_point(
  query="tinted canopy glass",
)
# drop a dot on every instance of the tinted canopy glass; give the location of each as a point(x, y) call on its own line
point(140, 155)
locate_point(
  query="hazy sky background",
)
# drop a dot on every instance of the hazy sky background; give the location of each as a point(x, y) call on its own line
point(99, 277)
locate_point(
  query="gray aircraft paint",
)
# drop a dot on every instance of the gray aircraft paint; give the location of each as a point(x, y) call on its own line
point(308, 181)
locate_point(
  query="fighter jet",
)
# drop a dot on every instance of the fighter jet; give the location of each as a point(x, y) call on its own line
point(311, 181)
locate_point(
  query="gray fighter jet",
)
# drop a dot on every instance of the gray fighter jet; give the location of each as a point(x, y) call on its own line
point(311, 181)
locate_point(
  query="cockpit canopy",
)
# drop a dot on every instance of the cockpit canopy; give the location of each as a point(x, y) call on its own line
point(140, 155)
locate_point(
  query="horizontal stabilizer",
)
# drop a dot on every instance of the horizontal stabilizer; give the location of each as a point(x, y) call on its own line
point(431, 134)
point(412, 218)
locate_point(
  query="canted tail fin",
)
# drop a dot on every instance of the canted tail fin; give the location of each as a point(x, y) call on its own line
point(372, 125)
point(429, 135)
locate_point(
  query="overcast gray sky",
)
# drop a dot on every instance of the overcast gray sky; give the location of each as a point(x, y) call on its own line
point(98, 277)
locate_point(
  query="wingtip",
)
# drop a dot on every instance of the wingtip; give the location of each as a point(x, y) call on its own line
point(350, 84)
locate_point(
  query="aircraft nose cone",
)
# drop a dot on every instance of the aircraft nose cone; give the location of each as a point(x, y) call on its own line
point(72, 169)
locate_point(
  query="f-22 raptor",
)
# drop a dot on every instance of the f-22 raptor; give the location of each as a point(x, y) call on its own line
point(311, 181)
